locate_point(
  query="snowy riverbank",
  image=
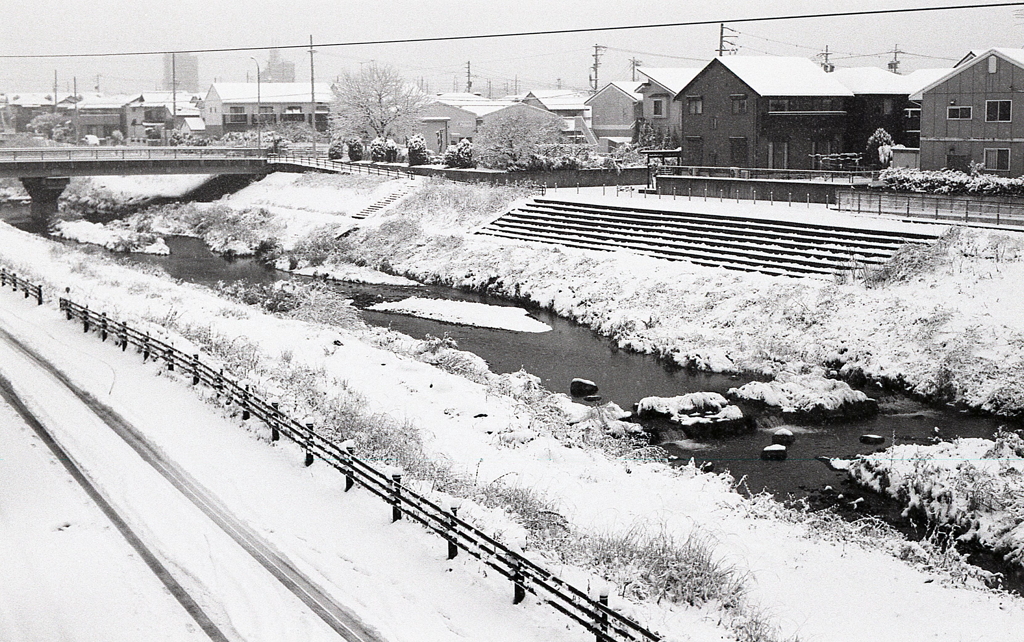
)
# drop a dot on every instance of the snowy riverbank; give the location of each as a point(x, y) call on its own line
point(498, 442)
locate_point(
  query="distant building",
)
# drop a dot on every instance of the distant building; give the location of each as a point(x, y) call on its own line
point(182, 68)
point(277, 70)
point(975, 114)
point(232, 107)
point(451, 117)
point(573, 109)
point(660, 109)
point(154, 114)
point(616, 111)
point(19, 108)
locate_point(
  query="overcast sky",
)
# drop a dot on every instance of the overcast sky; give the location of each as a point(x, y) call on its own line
point(100, 26)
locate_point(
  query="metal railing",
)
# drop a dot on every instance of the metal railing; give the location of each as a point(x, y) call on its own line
point(336, 165)
point(831, 176)
point(936, 207)
point(124, 153)
point(594, 615)
point(10, 278)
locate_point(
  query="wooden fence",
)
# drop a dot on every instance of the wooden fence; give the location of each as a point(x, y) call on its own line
point(594, 615)
point(18, 283)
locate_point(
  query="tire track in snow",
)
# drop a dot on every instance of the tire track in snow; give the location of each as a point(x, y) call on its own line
point(346, 624)
point(9, 395)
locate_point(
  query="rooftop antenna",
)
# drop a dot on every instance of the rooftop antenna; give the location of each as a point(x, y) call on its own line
point(825, 64)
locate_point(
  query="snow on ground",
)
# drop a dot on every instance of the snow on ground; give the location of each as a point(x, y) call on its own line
point(350, 273)
point(149, 185)
point(111, 236)
point(480, 315)
point(809, 584)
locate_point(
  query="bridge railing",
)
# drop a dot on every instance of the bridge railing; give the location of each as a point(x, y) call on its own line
point(336, 165)
point(27, 154)
point(596, 616)
point(832, 176)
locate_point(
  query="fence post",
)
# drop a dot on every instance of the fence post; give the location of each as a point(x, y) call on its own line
point(997, 212)
point(103, 327)
point(350, 469)
point(967, 210)
point(753, 193)
point(275, 432)
point(518, 588)
point(85, 319)
point(309, 440)
point(791, 199)
point(245, 403)
point(602, 616)
point(453, 550)
point(195, 369)
point(808, 199)
point(145, 347)
point(169, 358)
point(3, 277)
point(396, 496)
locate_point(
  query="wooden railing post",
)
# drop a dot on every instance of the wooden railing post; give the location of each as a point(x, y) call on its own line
point(145, 348)
point(518, 585)
point(275, 432)
point(85, 319)
point(396, 497)
point(245, 403)
point(309, 439)
point(103, 327)
point(602, 618)
point(453, 550)
point(195, 369)
point(349, 449)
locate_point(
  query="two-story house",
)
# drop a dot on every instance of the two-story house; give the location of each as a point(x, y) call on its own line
point(975, 114)
point(233, 106)
point(660, 110)
point(761, 111)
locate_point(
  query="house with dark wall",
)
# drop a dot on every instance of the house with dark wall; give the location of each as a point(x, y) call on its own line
point(233, 107)
point(761, 111)
point(659, 110)
point(975, 114)
point(882, 99)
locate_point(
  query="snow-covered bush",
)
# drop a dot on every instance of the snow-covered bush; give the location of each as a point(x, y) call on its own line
point(460, 156)
point(355, 150)
point(378, 151)
point(948, 181)
point(418, 154)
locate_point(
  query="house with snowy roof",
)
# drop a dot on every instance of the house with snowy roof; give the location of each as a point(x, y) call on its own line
point(233, 106)
point(882, 99)
point(19, 108)
point(974, 113)
point(762, 111)
point(660, 110)
point(155, 113)
point(616, 109)
point(569, 105)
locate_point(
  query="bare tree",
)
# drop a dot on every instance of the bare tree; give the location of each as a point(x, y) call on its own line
point(511, 135)
point(376, 102)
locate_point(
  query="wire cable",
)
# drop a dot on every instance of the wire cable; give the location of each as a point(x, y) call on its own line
point(546, 32)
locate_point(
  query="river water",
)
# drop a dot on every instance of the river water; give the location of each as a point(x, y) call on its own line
point(571, 350)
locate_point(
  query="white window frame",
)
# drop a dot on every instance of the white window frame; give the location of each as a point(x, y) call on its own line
point(998, 120)
point(997, 150)
point(960, 108)
point(655, 102)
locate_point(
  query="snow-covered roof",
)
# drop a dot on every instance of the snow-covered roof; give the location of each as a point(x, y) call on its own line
point(626, 87)
point(671, 78)
point(921, 78)
point(473, 103)
point(871, 80)
point(271, 92)
point(34, 99)
point(169, 97)
point(784, 76)
point(562, 100)
point(195, 123)
point(106, 102)
point(1011, 55)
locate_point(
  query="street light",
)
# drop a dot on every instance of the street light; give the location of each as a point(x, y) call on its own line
point(259, 108)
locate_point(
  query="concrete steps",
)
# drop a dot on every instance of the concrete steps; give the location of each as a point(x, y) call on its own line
point(778, 247)
point(385, 202)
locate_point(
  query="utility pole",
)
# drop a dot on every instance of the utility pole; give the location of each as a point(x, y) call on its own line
point(558, 83)
point(725, 45)
point(312, 93)
point(98, 76)
point(517, 84)
point(469, 78)
point(55, 91)
point(174, 93)
point(488, 89)
point(77, 136)
point(633, 64)
point(598, 50)
point(894, 64)
point(826, 65)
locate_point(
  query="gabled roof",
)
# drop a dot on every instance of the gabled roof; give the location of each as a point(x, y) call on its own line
point(34, 99)
point(1013, 56)
point(472, 103)
point(671, 78)
point(626, 87)
point(195, 123)
point(871, 80)
point(105, 102)
point(555, 99)
point(271, 92)
point(783, 76)
point(921, 78)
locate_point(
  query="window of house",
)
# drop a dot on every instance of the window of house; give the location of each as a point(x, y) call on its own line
point(997, 111)
point(959, 113)
point(658, 107)
point(694, 105)
point(739, 104)
point(997, 159)
point(778, 104)
point(236, 114)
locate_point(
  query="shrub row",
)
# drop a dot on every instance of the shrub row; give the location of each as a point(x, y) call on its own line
point(947, 181)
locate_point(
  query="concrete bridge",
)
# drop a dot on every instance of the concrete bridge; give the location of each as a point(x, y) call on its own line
point(45, 171)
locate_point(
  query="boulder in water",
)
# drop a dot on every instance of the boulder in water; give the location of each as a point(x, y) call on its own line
point(700, 414)
point(783, 436)
point(872, 440)
point(582, 388)
point(775, 452)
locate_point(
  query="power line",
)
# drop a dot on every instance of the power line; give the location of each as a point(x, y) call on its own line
point(547, 32)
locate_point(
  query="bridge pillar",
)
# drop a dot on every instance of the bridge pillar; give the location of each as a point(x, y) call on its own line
point(44, 192)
